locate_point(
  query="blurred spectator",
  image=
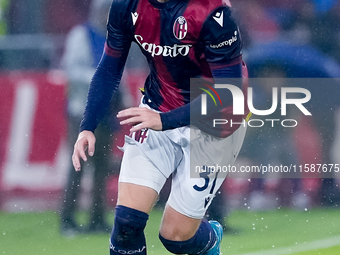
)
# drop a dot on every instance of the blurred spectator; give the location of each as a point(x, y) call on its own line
point(83, 51)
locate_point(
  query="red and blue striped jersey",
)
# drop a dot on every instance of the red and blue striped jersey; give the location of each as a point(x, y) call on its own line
point(181, 39)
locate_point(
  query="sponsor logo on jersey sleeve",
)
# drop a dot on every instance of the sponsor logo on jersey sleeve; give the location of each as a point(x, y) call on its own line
point(180, 28)
point(228, 42)
point(218, 17)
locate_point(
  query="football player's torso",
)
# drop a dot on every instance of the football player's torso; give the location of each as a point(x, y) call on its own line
point(169, 36)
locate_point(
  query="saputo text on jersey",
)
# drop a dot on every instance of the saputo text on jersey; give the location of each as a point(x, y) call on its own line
point(165, 51)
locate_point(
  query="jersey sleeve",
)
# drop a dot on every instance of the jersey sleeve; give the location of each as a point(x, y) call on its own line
point(221, 38)
point(108, 74)
point(119, 27)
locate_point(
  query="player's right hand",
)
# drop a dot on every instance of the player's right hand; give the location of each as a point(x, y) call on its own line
point(86, 140)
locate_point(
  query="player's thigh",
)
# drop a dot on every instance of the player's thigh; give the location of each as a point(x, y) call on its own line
point(139, 180)
point(192, 192)
point(137, 197)
point(192, 196)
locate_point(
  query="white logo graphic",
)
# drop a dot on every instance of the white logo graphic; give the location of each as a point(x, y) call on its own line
point(239, 101)
point(226, 42)
point(219, 18)
point(180, 28)
point(165, 51)
point(140, 250)
point(134, 17)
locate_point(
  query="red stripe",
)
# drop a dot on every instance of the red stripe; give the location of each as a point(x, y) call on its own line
point(192, 10)
point(195, 27)
point(169, 91)
point(112, 52)
point(7, 96)
point(178, 30)
point(214, 92)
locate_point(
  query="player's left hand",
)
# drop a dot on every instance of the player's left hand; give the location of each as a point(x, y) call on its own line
point(139, 118)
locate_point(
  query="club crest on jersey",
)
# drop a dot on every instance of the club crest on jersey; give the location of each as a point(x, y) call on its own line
point(180, 28)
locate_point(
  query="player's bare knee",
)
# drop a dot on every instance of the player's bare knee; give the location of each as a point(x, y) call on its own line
point(176, 226)
point(175, 233)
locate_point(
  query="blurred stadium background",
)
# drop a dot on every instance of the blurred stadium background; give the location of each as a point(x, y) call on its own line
point(287, 39)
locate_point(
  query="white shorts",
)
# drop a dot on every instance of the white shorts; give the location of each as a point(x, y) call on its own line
point(150, 157)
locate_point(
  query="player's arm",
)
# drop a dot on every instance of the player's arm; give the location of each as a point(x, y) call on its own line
point(222, 45)
point(104, 83)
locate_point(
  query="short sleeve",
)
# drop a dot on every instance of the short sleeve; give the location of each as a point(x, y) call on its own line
point(221, 37)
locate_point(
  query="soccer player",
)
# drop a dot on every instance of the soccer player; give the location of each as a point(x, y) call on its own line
point(181, 39)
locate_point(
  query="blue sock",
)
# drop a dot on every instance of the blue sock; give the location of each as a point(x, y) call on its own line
point(202, 241)
point(128, 232)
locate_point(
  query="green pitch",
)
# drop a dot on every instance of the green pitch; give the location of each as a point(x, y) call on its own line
point(259, 233)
